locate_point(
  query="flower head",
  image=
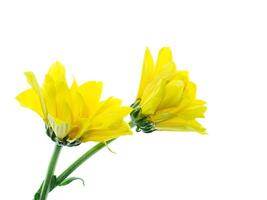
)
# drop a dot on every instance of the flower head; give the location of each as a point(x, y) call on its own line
point(166, 97)
point(74, 114)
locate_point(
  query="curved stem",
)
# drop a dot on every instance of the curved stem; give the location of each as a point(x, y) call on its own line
point(81, 160)
point(50, 173)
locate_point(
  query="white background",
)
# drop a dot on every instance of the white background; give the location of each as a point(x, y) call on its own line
point(222, 43)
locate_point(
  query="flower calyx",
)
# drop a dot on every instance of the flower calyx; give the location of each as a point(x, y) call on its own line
point(61, 142)
point(141, 121)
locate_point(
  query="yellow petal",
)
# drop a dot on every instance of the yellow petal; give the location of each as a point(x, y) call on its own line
point(64, 111)
point(50, 93)
point(74, 86)
point(79, 128)
point(91, 92)
point(57, 92)
point(59, 127)
point(199, 102)
point(182, 75)
point(188, 96)
point(56, 96)
point(195, 110)
point(106, 106)
point(102, 135)
point(77, 104)
point(172, 94)
point(34, 84)
point(110, 112)
point(111, 104)
point(31, 100)
point(57, 72)
point(178, 124)
point(160, 116)
point(152, 97)
point(110, 119)
point(165, 62)
point(147, 72)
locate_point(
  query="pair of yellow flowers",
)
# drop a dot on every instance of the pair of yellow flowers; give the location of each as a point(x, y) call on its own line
point(73, 114)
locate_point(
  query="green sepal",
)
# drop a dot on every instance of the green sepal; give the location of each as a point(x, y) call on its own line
point(69, 180)
point(61, 142)
point(141, 121)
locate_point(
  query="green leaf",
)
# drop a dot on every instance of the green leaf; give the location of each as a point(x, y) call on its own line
point(38, 193)
point(37, 196)
point(69, 180)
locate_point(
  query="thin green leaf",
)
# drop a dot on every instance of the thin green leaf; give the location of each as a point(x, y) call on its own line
point(69, 180)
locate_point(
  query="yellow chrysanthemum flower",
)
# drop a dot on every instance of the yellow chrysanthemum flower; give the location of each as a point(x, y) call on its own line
point(74, 114)
point(166, 98)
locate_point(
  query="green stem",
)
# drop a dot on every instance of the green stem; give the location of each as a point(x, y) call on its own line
point(50, 173)
point(81, 160)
